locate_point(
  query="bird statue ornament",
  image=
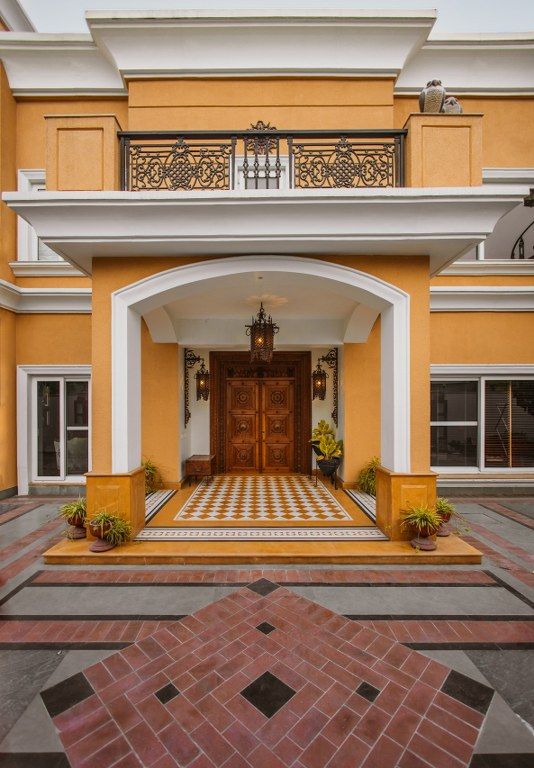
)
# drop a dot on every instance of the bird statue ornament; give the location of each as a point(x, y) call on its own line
point(451, 106)
point(432, 97)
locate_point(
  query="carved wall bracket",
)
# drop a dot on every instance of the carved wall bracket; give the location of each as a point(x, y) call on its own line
point(190, 360)
point(331, 359)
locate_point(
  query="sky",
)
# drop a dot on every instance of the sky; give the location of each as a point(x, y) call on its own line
point(468, 16)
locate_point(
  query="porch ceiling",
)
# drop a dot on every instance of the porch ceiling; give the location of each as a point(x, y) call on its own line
point(442, 223)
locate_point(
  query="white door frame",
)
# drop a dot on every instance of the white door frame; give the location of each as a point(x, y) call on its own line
point(153, 292)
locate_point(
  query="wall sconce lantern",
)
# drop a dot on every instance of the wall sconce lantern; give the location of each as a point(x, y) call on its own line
point(261, 332)
point(202, 379)
point(319, 377)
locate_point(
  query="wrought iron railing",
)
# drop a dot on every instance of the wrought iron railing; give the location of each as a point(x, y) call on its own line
point(261, 158)
point(524, 244)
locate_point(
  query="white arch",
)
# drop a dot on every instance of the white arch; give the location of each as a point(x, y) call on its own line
point(151, 293)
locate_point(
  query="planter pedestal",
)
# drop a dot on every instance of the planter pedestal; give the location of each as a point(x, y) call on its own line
point(100, 545)
point(76, 532)
point(444, 529)
point(425, 543)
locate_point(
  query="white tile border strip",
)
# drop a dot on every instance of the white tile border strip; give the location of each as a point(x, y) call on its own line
point(261, 534)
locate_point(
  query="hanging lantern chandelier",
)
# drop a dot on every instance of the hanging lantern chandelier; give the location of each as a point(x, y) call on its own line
point(261, 332)
point(202, 378)
point(319, 377)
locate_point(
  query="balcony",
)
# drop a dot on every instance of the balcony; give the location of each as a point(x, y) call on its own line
point(261, 158)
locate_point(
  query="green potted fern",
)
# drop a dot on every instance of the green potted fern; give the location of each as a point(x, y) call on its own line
point(323, 428)
point(152, 476)
point(109, 531)
point(75, 513)
point(330, 453)
point(445, 510)
point(423, 523)
point(367, 477)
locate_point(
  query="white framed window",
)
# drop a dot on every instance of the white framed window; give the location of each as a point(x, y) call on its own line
point(30, 248)
point(482, 423)
point(53, 424)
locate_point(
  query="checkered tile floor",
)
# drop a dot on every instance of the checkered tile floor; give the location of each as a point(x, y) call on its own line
point(265, 498)
point(265, 678)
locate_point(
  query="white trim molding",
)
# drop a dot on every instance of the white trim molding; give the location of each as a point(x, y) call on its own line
point(491, 267)
point(439, 222)
point(510, 370)
point(508, 176)
point(44, 269)
point(14, 16)
point(147, 295)
point(24, 375)
point(481, 298)
point(44, 300)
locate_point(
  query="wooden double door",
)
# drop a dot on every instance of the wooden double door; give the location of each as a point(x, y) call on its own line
point(260, 425)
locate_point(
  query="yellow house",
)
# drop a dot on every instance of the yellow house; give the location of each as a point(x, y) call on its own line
point(164, 176)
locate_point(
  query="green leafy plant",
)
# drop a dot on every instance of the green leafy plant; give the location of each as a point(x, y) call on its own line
point(329, 447)
point(444, 508)
point(111, 528)
point(423, 520)
point(323, 428)
point(76, 508)
point(367, 477)
point(152, 476)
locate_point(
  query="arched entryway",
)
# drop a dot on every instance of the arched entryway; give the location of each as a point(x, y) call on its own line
point(148, 297)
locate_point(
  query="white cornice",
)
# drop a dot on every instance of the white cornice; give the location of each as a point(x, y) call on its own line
point(508, 176)
point(439, 222)
point(478, 369)
point(41, 64)
point(44, 300)
point(14, 16)
point(473, 65)
point(481, 298)
point(44, 269)
point(264, 43)
point(491, 267)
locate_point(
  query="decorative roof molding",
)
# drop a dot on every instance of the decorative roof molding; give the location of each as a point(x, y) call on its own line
point(44, 269)
point(473, 65)
point(481, 298)
point(478, 369)
point(439, 222)
point(508, 176)
point(14, 16)
point(44, 300)
point(491, 267)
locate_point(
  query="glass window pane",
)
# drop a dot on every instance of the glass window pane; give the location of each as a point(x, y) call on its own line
point(77, 452)
point(454, 401)
point(48, 429)
point(522, 423)
point(77, 405)
point(454, 446)
point(497, 424)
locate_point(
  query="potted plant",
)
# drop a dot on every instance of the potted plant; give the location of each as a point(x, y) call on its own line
point(152, 476)
point(323, 428)
point(75, 513)
point(367, 477)
point(109, 531)
point(445, 510)
point(330, 453)
point(423, 522)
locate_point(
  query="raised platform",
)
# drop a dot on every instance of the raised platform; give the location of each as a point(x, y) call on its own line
point(451, 550)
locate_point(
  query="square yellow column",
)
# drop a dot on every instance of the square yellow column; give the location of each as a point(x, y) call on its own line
point(122, 495)
point(443, 150)
point(396, 493)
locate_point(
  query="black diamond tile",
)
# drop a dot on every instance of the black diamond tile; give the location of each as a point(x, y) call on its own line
point(66, 694)
point(265, 627)
point(268, 694)
point(504, 760)
point(34, 760)
point(167, 693)
point(263, 587)
point(470, 692)
point(368, 691)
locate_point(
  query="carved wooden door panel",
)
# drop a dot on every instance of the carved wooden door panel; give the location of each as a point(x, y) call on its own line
point(242, 427)
point(277, 450)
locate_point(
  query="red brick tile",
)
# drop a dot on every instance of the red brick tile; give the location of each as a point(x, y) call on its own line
point(332, 700)
point(287, 750)
point(372, 724)
point(396, 675)
point(318, 753)
point(446, 740)
point(117, 666)
point(262, 757)
point(79, 727)
point(150, 647)
point(391, 697)
point(146, 745)
point(246, 713)
point(308, 727)
point(434, 756)
point(105, 757)
point(124, 713)
point(98, 676)
point(200, 689)
point(403, 725)
point(305, 698)
point(410, 760)
point(155, 713)
point(93, 741)
point(435, 674)
point(397, 655)
point(119, 687)
point(77, 713)
point(450, 723)
point(350, 755)
point(415, 664)
point(339, 727)
point(384, 754)
point(169, 762)
point(185, 713)
point(214, 745)
point(459, 710)
point(277, 727)
point(241, 738)
point(358, 704)
point(130, 761)
point(179, 743)
point(147, 687)
point(419, 698)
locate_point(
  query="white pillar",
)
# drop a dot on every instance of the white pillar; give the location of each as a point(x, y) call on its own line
point(125, 388)
point(395, 387)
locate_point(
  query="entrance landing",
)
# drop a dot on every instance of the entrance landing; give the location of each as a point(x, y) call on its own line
point(261, 519)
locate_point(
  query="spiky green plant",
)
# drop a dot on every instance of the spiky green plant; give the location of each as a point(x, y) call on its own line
point(421, 519)
point(322, 428)
point(78, 508)
point(111, 528)
point(330, 448)
point(152, 476)
point(367, 476)
point(445, 508)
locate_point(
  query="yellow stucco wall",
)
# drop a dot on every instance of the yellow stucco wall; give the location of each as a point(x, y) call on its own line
point(481, 337)
point(53, 339)
point(8, 175)
point(216, 104)
point(8, 411)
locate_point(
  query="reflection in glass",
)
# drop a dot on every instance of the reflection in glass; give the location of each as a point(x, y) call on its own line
point(77, 452)
point(77, 403)
point(48, 429)
point(454, 401)
point(454, 446)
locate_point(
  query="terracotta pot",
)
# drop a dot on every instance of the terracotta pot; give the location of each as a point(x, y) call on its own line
point(99, 532)
point(422, 538)
point(444, 528)
point(77, 527)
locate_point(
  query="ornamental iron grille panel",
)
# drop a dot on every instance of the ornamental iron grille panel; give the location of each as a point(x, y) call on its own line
point(261, 157)
point(523, 247)
point(344, 164)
